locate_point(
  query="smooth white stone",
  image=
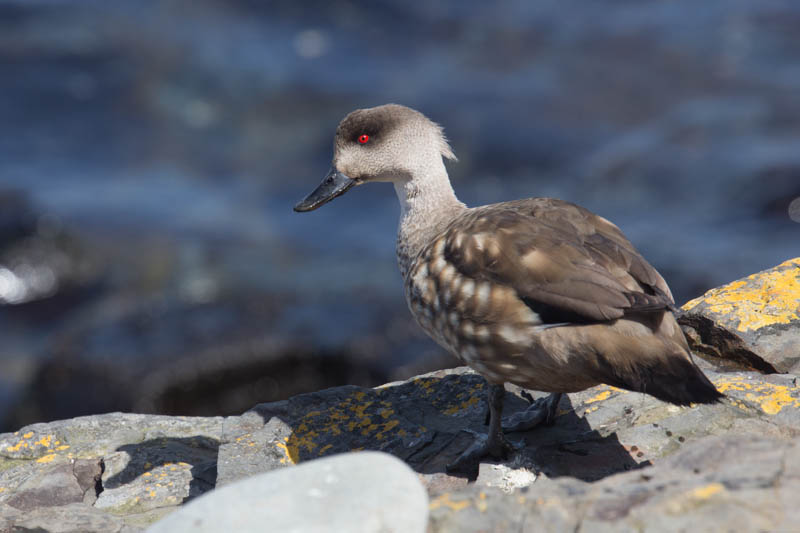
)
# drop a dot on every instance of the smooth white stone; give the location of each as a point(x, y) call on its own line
point(362, 492)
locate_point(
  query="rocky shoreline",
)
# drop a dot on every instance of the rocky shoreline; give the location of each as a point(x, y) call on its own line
point(613, 460)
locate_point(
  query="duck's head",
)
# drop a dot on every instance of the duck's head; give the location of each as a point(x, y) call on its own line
point(385, 143)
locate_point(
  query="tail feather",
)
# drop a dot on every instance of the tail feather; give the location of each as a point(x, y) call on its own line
point(674, 379)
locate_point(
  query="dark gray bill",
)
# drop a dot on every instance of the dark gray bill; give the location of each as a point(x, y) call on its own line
point(335, 184)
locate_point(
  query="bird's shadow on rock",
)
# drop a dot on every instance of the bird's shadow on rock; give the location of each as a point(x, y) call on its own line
point(167, 459)
point(429, 421)
point(570, 447)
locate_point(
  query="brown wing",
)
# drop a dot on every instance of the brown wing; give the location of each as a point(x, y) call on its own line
point(564, 262)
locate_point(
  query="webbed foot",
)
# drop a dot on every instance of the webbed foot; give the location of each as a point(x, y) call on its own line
point(492, 444)
point(541, 411)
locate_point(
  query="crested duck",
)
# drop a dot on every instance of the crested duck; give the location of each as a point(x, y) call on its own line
point(540, 292)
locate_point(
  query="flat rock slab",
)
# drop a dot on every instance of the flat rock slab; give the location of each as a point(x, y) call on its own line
point(598, 432)
point(725, 483)
point(606, 445)
point(750, 324)
point(122, 468)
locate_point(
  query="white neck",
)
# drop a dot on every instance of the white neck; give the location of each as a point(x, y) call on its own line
point(427, 204)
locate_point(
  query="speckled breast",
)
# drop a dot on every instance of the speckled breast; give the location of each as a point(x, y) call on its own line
point(482, 323)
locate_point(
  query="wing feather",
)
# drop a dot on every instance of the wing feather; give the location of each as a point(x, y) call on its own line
point(564, 262)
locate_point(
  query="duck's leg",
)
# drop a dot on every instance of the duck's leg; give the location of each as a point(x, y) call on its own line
point(541, 411)
point(494, 443)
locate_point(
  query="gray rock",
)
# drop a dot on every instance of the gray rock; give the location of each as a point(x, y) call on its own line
point(718, 483)
point(613, 460)
point(749, 324)
point(253, 452)
point(149, 465)
point(598, 432)
point(9, 516)
point(59, 485)
point(355, 492)
point(71, 518)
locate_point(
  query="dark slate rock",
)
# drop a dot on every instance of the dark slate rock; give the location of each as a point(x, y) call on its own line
point(597, 433)
point(749, 324)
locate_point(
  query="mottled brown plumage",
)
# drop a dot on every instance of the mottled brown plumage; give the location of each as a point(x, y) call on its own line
point(538, 292)
point(526, 291)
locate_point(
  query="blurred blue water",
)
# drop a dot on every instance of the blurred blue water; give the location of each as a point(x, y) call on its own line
point(172, 139)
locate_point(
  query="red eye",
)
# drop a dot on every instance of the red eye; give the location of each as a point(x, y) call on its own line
point(363, 139)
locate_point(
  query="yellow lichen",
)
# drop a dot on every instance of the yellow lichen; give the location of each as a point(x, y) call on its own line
point(46, 458)
point(287, 456)
point(356, 413)
point(366, 414)
point(390, 425)
point(24, 442)
point(481, 504)
point(44, 441)
point(769, 397)
point(17, 446)
point(602, 395)
point(707, 491)
point(426, 385)
point(682, 503)
point(461, 406)
point(759, 300)
point(445, 501)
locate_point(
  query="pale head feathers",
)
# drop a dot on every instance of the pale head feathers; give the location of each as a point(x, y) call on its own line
point(401, 143)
